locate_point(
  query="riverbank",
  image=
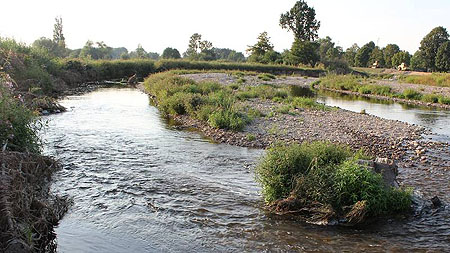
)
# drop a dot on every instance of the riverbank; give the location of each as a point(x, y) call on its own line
point(415, 94)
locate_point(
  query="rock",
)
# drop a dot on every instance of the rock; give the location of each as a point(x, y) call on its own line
point(436, 202)
point(384, 166)
point(45, 112)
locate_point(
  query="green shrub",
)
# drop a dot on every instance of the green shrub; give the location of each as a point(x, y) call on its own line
point(328, 174)
point(353, 183)
point(444, 100)
point(412, 94)
point(18, 125)
point(375, 89)
point(305, 102)
point(430, 98)
point(282, 164)
point(266, 77)
point(250, 137)
point(228, 119)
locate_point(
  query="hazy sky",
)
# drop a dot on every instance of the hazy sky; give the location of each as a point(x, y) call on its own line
point(235, 24)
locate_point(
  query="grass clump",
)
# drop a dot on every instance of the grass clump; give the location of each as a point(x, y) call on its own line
point(264, 91)
point(328, 174)
point(266, 77)
point(412, 94)
point(207, 101)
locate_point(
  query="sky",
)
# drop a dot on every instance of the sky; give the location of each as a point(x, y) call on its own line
point(234, 24)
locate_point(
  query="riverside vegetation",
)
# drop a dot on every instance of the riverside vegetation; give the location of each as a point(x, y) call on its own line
point(321, 179)
point(28, 211)
point(371, 87)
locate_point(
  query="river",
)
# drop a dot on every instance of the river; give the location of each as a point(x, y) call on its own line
point(140, 185)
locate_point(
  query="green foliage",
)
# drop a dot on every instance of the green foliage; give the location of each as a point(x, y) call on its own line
point(377, 56)
point(353, 183)
point(401, 57)
point(282, 165)
point(18, 125)
point(301, 20)
point(388, 52)
point(306, 102)
point(207, 101)
point(329, 174)
point(430, 98)
point(418, 62)
point(412, 94)
point(443, 57)
point(199, 49)
point(375, 89)
point(171, 53)
point(435, 79)
point(362, 57)
point(266, 77)
point(250, 137)
point(304, 52)
point(350, 54)
point(430, 44)
point(262, 47)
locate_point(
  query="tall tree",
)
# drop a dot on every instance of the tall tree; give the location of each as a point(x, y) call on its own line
point(350, 54)
point(443, 57)
point(401, 57)
point(301, 20)
point(199, 49)
point(262, 47)
point(58, 35)
point(389, 51)
point(430, 45)
point(362, 57)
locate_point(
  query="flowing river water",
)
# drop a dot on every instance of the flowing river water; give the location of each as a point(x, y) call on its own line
point(140, 185)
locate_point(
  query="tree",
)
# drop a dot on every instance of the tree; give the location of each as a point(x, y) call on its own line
point(388, 52)
point(362, 57)
point(401, 57)
point(140, 52)
point(52, 48)
point(171, 53)
point(304, 52)
point(199, 49)
point(376, 55)
point(58, 36)
point(262, 46)
point(418, 62)
point(350, 54)
point(443, 57)
point(301, 20)
point(430, 45)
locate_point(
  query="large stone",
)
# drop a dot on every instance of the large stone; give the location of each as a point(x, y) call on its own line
point(384, 166)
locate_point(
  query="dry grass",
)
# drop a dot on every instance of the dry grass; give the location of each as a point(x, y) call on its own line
point(28, 212)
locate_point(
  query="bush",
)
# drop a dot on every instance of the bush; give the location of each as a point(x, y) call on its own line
point(353, 183)
point(412, 94)
point(282, 164)
point(207, 101)
point(18, 125)
point(328, 174)
point(430, 98)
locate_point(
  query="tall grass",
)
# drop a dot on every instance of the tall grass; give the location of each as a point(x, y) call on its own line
point(207, 101)
point(329, 174)
point(18, 125)
point(362, 86)
point(434, 79)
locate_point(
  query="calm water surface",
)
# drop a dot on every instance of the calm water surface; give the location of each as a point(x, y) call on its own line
point(140, 185)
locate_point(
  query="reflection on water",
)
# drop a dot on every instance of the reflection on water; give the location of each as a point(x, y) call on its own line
point(140, 186)
point(438, 120)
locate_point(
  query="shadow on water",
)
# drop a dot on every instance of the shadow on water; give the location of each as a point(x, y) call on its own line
point(140, 186)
